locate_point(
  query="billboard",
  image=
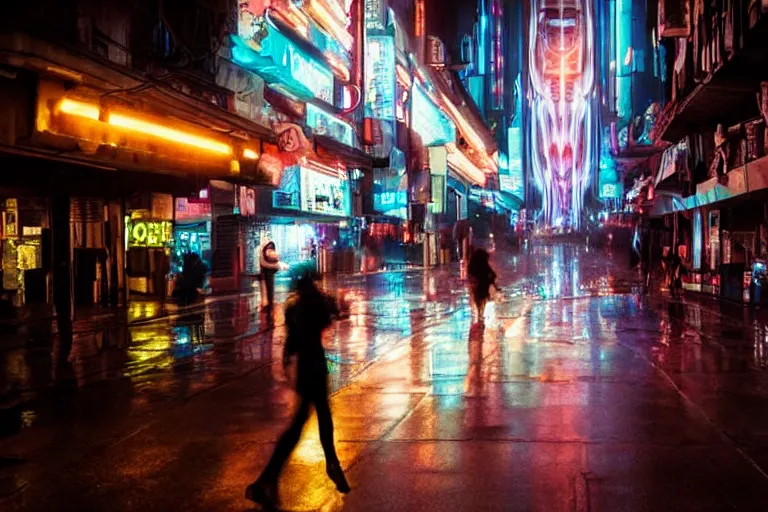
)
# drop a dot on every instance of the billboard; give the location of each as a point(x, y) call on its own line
point(432, 125)
point(311, 191)
point(283, 65)
point(325, 123)
point(380, 77)
point(512, 180)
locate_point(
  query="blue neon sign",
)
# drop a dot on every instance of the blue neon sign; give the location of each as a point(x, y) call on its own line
point(325, 123)
point(380, 86)
point(429, 121)
point(283, 65)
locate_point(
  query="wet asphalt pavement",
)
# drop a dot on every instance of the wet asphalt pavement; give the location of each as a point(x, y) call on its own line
point(578, 394)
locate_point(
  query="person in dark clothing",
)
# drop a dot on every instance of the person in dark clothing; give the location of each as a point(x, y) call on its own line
point(192, 278)
point(269, 263)
point(481, 278)
point(308, 312)
point(675, 269)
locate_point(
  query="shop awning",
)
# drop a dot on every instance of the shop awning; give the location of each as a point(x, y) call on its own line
point(736, 183)
point(55, 173)
point(331, 148)
point(39, 55)
point(464, 113)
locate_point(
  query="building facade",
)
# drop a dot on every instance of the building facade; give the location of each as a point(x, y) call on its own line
point(151, 133)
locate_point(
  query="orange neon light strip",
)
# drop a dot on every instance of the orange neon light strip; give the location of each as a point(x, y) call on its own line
point(458, 160)
point(162, 132)
point(80, 109)
point(90, 111)
point(463, 124)
point(333, 24)
point(403, 76)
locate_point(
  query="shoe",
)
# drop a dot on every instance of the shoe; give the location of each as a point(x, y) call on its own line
point(336, 474)
point(262, 494)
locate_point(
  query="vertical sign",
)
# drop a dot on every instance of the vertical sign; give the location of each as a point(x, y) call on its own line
point(514, 182)
point(380, 78)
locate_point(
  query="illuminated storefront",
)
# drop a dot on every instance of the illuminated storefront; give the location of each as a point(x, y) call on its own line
point(148, 242)
point(308, 213)
point(22, 258)
point(191, 231)
point(313, 191)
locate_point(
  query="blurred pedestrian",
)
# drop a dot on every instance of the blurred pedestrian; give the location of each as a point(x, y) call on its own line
point(269, 264)
point(676, 270)
point(308, 312)
point(192, 278)
point(481, 279)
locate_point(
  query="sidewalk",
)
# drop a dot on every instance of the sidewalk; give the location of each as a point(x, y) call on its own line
point(576, 396)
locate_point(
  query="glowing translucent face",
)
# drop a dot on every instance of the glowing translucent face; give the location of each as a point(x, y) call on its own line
point(561, 54)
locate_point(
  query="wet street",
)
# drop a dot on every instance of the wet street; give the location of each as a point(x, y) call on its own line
point(577, 394)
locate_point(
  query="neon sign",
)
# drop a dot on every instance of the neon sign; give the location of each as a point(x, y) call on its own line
point(380, 78)
point(324, 123)
point(189, 211)
point(148, 233)
point(513, 182)
point(312, 191)
point(317, 78)
point(283, 65)
point(563, 144)
point(429, 121)
point(321, 23)
point(385, 201)
point(610, 191)
point(321, 193)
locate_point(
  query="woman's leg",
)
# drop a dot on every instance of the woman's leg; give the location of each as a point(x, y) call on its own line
point(325, 426)
point(286, 444)
point(269, 278)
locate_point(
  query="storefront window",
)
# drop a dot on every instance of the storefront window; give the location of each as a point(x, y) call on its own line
point(23, 223)
point(313, 191)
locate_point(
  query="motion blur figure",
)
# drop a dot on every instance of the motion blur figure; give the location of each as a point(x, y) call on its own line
point(308, 312)
point(481, 278)
point(192, 278)
point(269, 264)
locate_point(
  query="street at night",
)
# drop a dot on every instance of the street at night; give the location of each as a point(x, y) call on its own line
point(383, 255)
point(577, 394)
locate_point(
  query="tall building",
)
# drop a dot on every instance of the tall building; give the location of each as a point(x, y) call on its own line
point(709, 188)
point(486, 66)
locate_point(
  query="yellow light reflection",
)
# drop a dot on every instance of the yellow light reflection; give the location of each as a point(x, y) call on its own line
point(250, 154)
point(467, 130)
point(78, 108)
point(334, 20)
point(170, 134)
point(403, 75)
point(463, 164)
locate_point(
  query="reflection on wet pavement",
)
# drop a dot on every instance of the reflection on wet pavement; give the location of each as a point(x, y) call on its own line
point(576, 394)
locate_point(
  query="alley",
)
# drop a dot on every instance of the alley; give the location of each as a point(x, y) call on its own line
point(577, 394)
